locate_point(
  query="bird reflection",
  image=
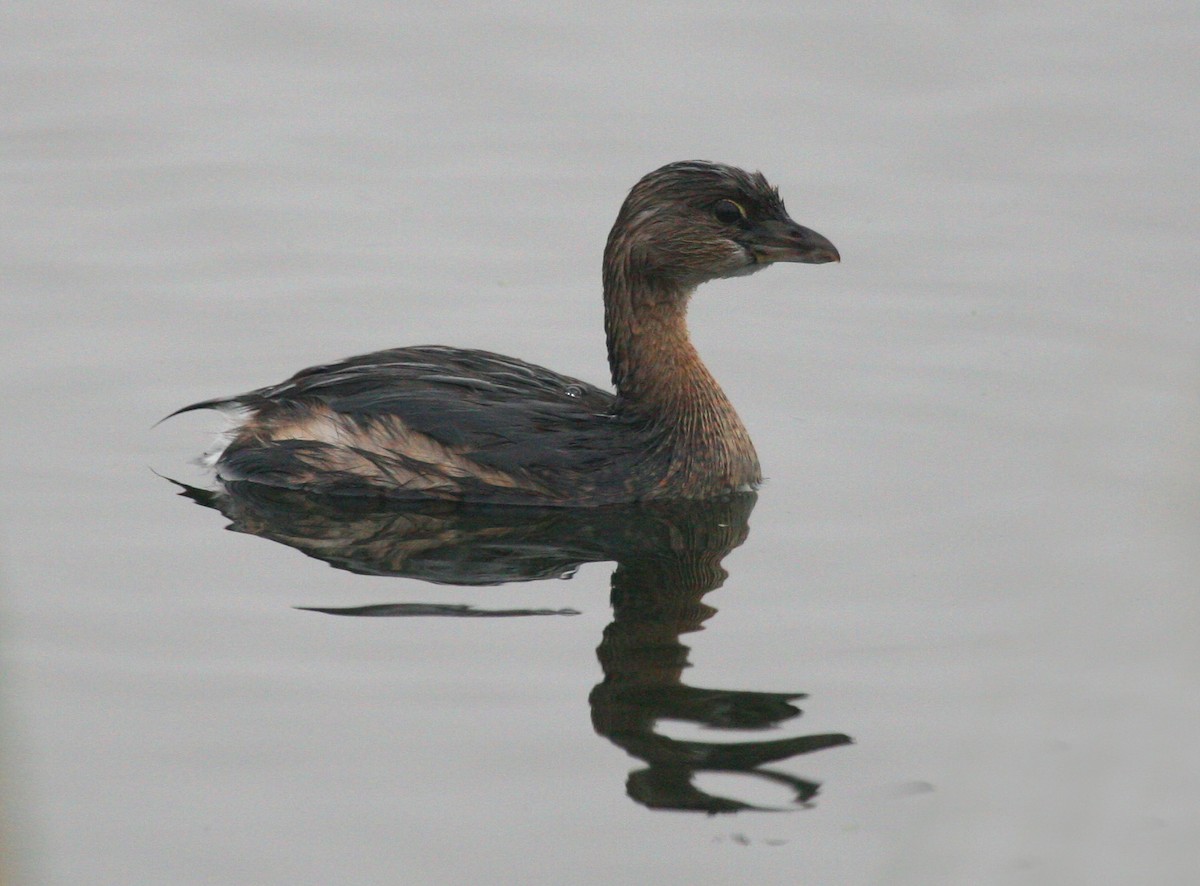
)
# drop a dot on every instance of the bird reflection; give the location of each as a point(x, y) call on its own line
point(668, 556)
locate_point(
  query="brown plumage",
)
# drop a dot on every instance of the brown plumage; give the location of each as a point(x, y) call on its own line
point(437, 422)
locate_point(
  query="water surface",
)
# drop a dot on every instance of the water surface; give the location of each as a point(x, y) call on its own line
point(974, 555)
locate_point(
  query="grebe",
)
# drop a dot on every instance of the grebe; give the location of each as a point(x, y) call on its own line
point(448, 423)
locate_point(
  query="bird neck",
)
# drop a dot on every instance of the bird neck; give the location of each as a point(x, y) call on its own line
point(662, 382)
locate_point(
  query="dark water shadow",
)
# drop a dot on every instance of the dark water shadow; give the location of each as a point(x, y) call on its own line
point(668, 556)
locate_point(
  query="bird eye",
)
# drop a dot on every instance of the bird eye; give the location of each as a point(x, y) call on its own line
point(728, 212)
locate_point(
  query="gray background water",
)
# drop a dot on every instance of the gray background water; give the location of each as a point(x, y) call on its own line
point(976, 550)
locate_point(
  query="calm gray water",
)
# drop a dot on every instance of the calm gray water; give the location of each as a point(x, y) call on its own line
point(975, 554)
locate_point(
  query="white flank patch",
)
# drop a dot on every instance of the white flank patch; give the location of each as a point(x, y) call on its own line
point(235, 415)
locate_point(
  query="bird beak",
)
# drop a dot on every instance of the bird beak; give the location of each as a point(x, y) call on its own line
point(784, 240)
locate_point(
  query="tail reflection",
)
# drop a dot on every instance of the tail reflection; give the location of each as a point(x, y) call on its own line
point(668, 556)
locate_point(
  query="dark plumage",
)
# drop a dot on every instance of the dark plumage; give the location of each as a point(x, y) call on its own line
point(438, 422)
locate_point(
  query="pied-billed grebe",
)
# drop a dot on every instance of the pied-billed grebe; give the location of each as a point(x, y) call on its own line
point(448, 423)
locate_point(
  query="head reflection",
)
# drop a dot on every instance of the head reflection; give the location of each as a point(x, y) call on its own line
point(668, 557)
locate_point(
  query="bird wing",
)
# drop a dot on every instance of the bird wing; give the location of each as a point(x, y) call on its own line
point(433, 420)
